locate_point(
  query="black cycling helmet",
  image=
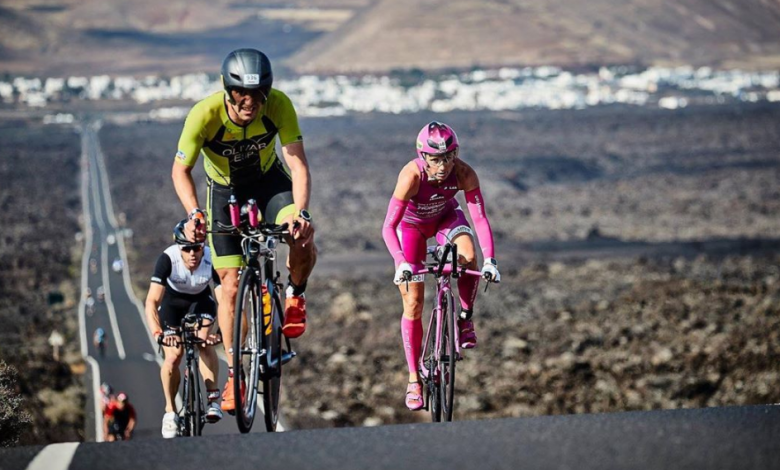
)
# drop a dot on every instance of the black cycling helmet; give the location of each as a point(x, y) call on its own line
point(179, 237)
point(247, 68)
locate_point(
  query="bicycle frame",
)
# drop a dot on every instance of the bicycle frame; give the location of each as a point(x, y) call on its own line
point(258, 339)
point(191, 325)
point(443, 271)
point(443, 290)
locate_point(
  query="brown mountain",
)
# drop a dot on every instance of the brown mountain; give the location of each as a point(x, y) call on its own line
point(432, 34)
point(50, 37)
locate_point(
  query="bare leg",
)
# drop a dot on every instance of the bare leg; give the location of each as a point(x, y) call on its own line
point(301, 260)
point(209, 364)
point(227, 306)
point(170, 376)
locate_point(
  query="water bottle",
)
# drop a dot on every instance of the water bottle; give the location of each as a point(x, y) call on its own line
point(251, 209)
point(266, 310)
point(235, 216)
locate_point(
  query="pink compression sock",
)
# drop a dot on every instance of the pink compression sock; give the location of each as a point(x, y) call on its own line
point(411, 332)
point(467, 291)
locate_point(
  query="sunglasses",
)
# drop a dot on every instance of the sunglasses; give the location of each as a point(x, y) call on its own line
point(439, 160)
point(258, 94)
point(191, 248)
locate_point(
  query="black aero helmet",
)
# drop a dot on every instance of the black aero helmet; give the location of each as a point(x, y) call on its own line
point(178, 234)
point(247, 68)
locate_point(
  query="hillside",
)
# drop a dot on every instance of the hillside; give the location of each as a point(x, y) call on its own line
point(465, 33)
point(48, 37)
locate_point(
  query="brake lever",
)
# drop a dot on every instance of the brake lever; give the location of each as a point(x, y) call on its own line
point(295, 227)
point(407, 278)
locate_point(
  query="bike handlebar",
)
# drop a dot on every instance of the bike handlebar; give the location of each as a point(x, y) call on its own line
point(445, 266)
point(268, 230)
point(191, 323)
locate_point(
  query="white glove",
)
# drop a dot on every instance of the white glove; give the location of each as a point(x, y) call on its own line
point(399, 273)
point(490, 271)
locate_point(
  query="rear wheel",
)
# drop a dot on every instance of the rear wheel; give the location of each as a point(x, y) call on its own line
point(272, 343)
point(447, 359)
point(246, 353)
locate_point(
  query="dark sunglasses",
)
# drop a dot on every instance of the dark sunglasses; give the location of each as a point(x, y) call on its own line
point(190, 248)
point(258, 94)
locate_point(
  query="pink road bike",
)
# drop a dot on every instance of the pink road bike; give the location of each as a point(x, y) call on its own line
point(441, 348)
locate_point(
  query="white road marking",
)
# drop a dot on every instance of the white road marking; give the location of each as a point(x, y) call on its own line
point(84, 269)
point(97, 397)
point(120, 345)
point(120, 241)
point(54, 457)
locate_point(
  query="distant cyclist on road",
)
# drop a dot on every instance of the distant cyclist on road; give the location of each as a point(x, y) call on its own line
point(106, 395)
point(423, 206)
point(99, 341)
point(119, 419)
point(180, 284)
point(236, 131)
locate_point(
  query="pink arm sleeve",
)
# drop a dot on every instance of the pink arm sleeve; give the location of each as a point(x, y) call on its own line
point(476, 205)
point(395, 212)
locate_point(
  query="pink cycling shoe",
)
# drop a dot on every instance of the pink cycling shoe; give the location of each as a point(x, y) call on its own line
point(414, 397)
point(468, 337)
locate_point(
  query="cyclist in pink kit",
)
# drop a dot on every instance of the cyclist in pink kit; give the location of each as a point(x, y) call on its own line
point(423, 206)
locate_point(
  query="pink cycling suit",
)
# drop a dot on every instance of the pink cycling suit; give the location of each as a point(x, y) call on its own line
point(434, 211)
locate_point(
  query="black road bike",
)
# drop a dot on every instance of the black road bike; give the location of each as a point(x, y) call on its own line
point(259, 348)
point(192, 415)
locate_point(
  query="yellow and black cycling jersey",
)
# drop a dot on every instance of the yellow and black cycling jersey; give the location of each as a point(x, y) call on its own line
point(237, 155)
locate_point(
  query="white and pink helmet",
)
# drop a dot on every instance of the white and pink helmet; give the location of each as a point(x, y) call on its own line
point(436, 138)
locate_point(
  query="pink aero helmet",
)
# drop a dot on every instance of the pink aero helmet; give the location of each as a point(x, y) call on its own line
point(436, 138)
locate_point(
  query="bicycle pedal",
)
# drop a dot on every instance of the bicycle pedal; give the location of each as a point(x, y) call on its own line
point(288, 356)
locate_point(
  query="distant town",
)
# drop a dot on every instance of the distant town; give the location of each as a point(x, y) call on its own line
point(499, 89)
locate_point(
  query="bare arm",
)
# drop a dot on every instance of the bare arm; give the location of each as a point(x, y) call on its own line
point(408, 182)
point(467, 177)
point(188, 195)
point(185, 186)
point(295, 157)
point(153, 299)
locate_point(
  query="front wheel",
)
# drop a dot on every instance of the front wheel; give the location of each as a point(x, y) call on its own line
point(272, 343)
point(432, 395)
point(194, 401)
point(447, 359)
point(246, 349)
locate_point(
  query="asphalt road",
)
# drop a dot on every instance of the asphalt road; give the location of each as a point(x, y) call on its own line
point(711, 438)
point(131, 360)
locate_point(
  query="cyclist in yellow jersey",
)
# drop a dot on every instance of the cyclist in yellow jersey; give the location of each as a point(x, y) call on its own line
point(236, 132)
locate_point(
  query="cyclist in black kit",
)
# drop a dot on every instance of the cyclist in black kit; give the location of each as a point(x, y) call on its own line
point(180, 284)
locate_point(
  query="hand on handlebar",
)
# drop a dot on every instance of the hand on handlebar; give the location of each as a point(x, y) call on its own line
point(302, 230)
point(403, 274)
point(214, 338)
point(490, 271)
point(195, 228)
point(170, 340)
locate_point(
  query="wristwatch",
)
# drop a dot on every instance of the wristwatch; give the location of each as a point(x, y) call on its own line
point(305, 215)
